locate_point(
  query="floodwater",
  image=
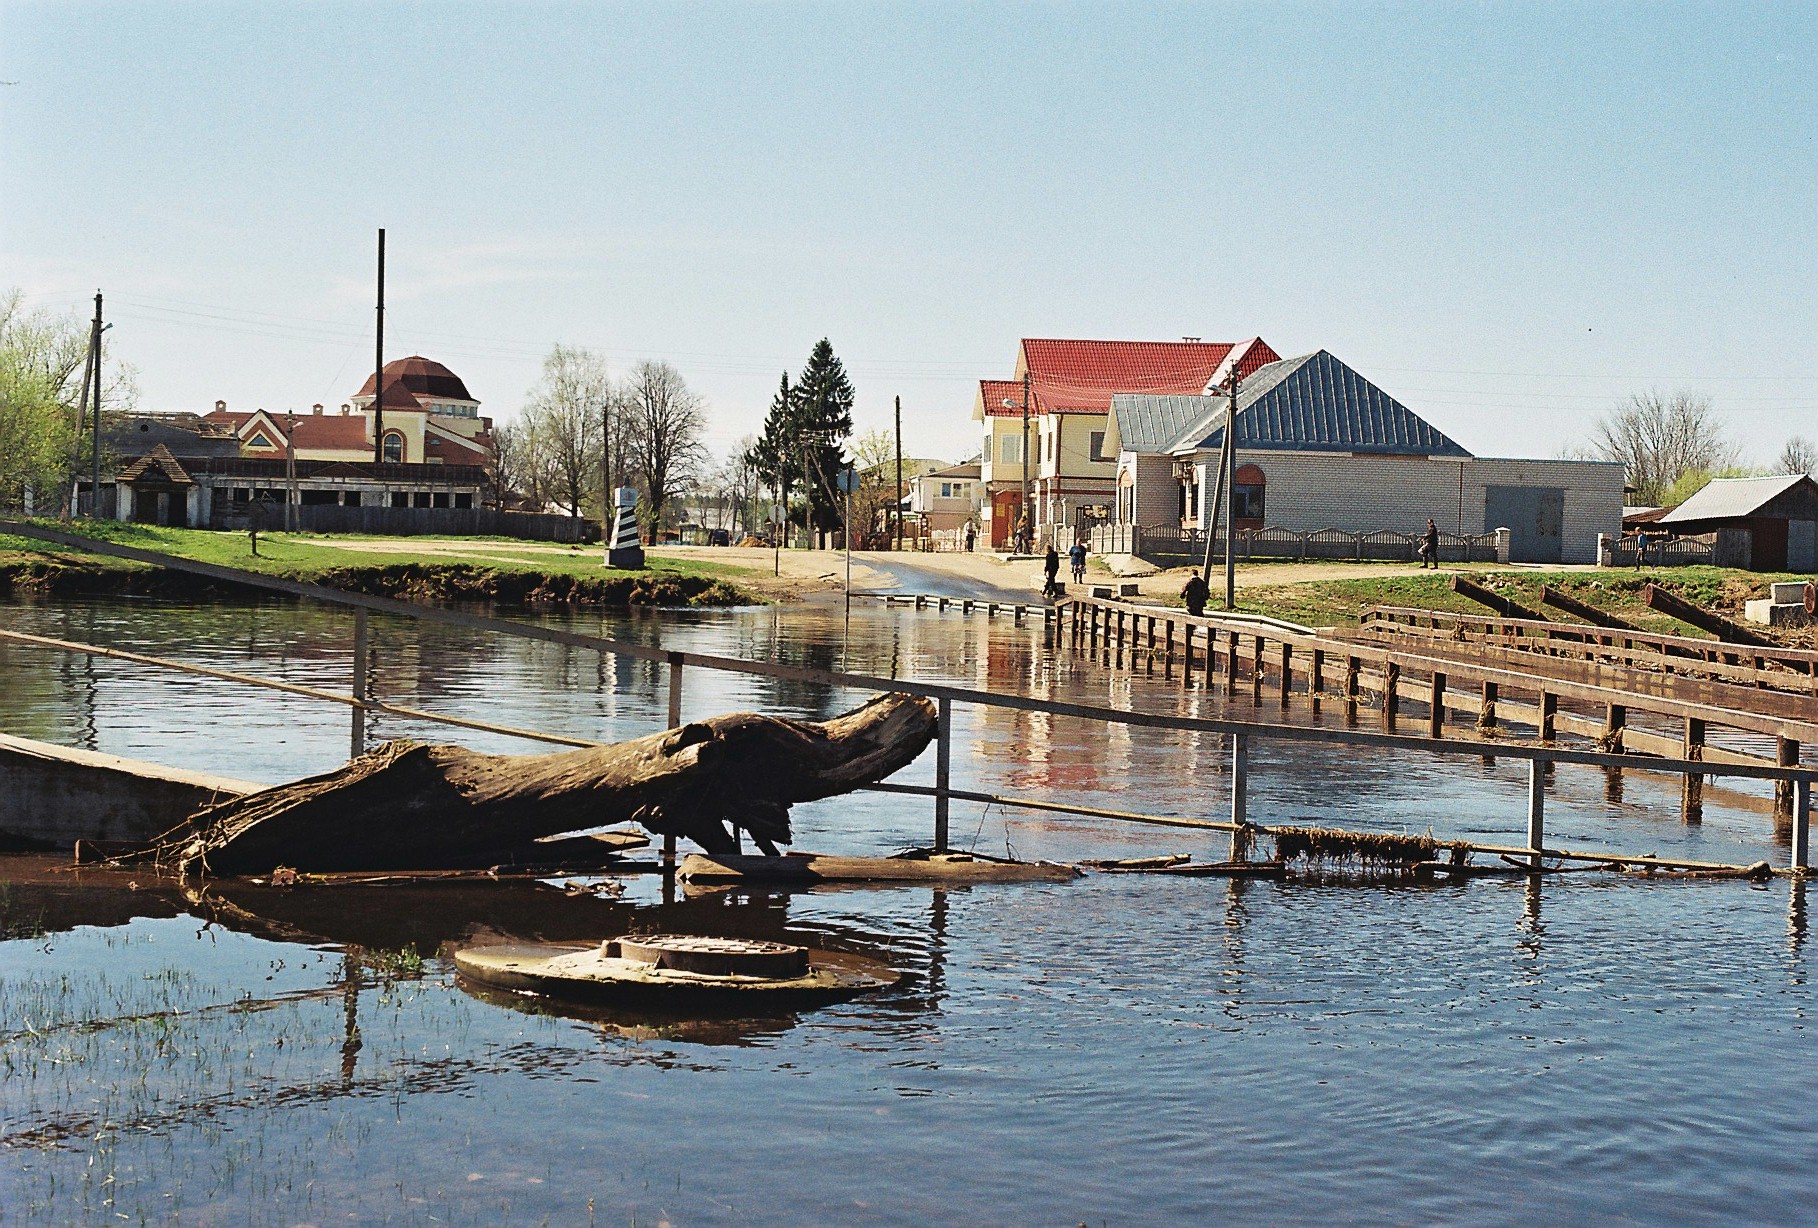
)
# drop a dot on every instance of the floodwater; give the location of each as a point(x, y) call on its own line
point(1122, 1048)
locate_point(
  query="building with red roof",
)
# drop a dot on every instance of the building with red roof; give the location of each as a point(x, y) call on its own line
point(1055, 412)
point(423, 445)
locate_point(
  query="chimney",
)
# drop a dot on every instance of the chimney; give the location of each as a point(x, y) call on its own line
point(316, 408)
point(220, 407)
point(346, 408)
point(1190, 339)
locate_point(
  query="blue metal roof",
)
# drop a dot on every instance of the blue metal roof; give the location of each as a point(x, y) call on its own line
point(1313, 403)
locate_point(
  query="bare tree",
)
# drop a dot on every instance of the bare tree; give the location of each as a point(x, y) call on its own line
point(1800, 455)
point(564, 424)
point(665, 422)
point(1659, 439)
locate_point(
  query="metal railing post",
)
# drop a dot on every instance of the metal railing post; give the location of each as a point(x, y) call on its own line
point(1537, 805)
point(943, 763)
point(1240, 792)
point(675, 722)
point(361, 659)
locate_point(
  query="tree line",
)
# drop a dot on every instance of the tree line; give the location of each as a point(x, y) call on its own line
point(1671, 444)
point(45, 438)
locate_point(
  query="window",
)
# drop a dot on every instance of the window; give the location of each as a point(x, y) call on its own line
point(400, 498)
point(463, 499)
point(946, 490)
point(1012, 450)
point(351, 499)
point(1247, 486)
point(393, 450)
point(1098, 446)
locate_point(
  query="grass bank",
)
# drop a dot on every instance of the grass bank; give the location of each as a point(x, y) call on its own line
point(483, 569)
point(1341, 601)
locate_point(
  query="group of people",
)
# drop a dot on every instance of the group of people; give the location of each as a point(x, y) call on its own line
point(1076, 556)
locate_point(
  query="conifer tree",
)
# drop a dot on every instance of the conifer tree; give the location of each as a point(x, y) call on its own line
point(824, 398)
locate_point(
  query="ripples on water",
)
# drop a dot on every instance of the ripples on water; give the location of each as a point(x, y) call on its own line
point(1585, 1049)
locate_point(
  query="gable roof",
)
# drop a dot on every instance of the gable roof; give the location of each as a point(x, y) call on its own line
point(1070, 377)
point(1313, 403)
point(992, 393)
point(1726, 498)
point(160, 459)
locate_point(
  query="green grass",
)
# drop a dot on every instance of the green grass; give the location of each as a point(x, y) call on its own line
point(478, 568)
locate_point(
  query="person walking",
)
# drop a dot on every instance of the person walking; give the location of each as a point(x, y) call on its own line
point(1195, 594)
point(1429, 546)
point(1051, 572)
point(1077, 556)
point(1641, 549)
point(971, 538)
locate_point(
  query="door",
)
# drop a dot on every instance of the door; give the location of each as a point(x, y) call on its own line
point(1534, 517)
point(1006, 510)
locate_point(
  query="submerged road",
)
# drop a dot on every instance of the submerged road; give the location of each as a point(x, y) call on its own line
point(939, 582)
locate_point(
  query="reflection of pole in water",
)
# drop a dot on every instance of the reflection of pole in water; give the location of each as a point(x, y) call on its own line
point(350, 1001)
point(1236, 915)
point(1795, 916)
point(937, 946)
point(1612, 785)
point(1532, 928)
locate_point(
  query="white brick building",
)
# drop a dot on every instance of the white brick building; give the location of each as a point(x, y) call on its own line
point(1320, 447)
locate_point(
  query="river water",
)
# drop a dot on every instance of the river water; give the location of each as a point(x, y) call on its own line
point(1583, 1048)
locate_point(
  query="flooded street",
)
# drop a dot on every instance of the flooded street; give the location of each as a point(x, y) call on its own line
point(1579, 1048)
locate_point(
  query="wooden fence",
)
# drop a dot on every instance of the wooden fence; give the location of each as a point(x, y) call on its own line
point(1793, 670)
point(1450, 686)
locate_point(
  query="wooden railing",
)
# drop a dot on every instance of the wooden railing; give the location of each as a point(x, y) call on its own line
point(1449, 686)
point(1794, 670)
point(1087, 624)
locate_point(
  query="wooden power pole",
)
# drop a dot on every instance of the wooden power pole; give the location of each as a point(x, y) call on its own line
point(897, 508)
point(94, 506)
point(378, 364)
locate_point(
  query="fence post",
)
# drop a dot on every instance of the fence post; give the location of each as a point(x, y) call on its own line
point(1537, 804)
point(1240, 791)
point(1549, 715)
point(943, 762)
point(1486, 715)
point(1352, 671)
point(1802, 822)
point(1316, 677)
point(361, 658)
point(1287, 672)
point(1256, 669)
point(1786, 754)
point(1691, 792)
point(675, 722)
point(1391, 685)
point(1436, 707)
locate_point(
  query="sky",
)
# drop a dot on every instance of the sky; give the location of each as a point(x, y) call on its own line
point(1510, 216)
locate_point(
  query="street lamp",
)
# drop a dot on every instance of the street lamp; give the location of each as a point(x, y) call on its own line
point(1028, 509)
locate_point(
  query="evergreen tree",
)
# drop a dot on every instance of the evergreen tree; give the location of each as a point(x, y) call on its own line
point(804, 435)
point(824, 399)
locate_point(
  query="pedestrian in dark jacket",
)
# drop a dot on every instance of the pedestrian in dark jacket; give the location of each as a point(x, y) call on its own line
point(1050, 572)
point(1429, 546)
point(1195, 594)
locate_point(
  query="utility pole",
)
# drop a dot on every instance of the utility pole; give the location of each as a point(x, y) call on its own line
point(897, 507)
point(290, 473)
point(1028, 517)
point(608, 510)
point(1228, 480)
point(72, 494)
point(378, 364)
point(94, 506)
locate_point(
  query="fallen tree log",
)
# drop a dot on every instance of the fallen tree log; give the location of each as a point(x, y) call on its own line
point(407, 805)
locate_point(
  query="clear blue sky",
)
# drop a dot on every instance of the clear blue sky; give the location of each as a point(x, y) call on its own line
point(1508, 215)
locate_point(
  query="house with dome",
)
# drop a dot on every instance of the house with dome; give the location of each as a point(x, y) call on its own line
point(419, 442)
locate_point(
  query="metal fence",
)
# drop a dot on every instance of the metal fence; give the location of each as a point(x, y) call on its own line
point(1275, 542)
point(1668, 552)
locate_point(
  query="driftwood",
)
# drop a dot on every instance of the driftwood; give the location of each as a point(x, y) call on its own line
point(408, 805)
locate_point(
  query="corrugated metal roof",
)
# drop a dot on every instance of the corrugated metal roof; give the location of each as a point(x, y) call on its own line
point(1313, 403)
point(1724, 498)
point(1149, 424)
